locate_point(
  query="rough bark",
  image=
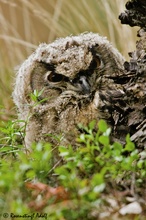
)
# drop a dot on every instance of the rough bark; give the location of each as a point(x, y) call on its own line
point(135, 73)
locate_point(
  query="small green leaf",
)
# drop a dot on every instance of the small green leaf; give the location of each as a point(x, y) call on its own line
point(92, 124)
point(129, 147)
point(104, 140)
point(102, 125)
point(117, 146)
point(99, 188)
point(140, 164)
point(41, 92)
point(97, 179)
point(107, 132)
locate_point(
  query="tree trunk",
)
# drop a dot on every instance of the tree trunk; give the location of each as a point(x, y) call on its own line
point(135, 74)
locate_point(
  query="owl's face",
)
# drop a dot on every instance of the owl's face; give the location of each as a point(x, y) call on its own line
point(80, 86)
point(76, 76)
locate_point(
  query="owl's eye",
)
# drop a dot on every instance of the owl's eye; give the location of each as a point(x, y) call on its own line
point(54, 77)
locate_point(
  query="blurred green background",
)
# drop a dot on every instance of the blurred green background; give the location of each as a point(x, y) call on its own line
point(24, 24)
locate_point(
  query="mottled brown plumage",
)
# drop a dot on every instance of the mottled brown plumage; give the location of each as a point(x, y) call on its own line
point(79, 77)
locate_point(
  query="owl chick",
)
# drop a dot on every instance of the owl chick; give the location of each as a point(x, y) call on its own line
point(77, 77)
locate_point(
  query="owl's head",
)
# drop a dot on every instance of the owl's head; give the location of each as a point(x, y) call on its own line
point(72, 67)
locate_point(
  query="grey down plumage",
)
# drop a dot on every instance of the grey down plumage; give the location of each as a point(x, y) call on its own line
point(78, 77)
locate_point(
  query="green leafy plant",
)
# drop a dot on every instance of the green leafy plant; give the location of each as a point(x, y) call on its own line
point(89, 173)
point(96, 165)
point(15, 172)
point(11, 136)
point(36, 97)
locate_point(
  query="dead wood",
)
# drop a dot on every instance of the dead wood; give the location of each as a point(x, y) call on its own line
point(134, 115)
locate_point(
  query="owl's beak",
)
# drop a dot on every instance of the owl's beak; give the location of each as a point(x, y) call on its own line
point(84, 85)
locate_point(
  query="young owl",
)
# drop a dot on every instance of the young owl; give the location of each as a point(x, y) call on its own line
point(77, 80)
